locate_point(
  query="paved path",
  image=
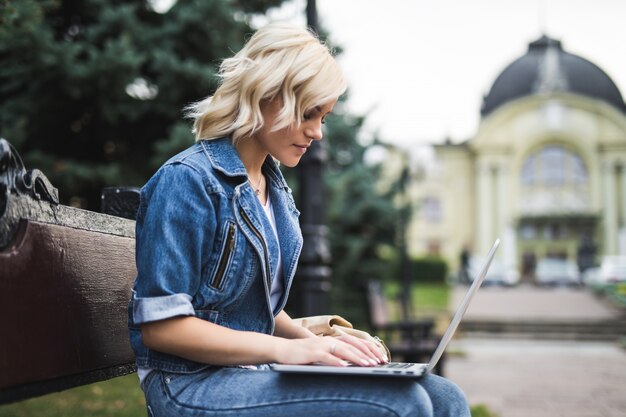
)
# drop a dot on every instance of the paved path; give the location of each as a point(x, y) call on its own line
point(529, 302)
point(539, 378)
point(516, 378)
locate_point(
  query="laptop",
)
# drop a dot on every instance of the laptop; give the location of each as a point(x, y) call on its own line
point(399, 369)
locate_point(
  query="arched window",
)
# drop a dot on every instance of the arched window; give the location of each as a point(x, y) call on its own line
point(554, 179)
point(431, 209)
point(554, 166)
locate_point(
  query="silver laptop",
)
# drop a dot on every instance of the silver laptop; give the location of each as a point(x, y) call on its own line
point(399, 369)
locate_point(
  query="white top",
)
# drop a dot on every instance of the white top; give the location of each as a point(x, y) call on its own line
point(276, 291)
point(277, 282)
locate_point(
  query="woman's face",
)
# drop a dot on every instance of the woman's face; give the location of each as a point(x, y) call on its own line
point(288, 145)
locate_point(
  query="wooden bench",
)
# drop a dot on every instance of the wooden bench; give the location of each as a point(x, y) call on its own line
point(65, 279)
point(408, 340)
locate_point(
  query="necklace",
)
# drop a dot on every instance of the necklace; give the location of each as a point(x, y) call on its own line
point(257, 189)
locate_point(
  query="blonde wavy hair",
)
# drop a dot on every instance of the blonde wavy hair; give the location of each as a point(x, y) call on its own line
point(278, 61)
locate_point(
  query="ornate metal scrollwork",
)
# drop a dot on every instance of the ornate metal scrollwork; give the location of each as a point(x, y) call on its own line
point(15, 179)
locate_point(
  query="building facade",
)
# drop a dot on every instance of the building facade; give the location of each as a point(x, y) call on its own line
point(545, 172)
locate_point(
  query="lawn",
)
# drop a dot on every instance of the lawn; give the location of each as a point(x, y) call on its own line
point(119, 397)
point(426, 299)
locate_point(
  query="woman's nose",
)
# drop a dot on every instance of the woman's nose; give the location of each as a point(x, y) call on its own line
point(314, 131)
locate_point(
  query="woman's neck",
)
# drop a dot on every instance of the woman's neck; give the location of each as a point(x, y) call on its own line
point(252, 157)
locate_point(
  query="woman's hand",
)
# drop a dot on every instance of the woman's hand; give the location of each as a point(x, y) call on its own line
point(335, 351)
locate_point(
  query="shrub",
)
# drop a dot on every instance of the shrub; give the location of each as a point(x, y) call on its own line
point(429, 269)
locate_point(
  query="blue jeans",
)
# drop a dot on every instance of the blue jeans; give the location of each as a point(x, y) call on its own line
point(246, 393)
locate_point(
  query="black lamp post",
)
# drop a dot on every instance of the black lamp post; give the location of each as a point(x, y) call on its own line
point(312, 285)
point(311, 15)
point(405, 266)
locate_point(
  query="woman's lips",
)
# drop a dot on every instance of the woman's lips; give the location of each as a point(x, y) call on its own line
point(302, 148)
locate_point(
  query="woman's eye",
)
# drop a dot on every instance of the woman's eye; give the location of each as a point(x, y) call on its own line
point(311, 114)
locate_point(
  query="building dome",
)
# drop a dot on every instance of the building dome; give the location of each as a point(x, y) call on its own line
point(547, 68)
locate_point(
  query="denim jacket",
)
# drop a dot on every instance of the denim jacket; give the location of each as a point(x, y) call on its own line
point(205, 248)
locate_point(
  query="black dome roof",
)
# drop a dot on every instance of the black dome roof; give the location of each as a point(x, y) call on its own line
point(545, 68)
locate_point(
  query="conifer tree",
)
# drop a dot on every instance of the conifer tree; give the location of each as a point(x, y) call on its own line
point(91, 91)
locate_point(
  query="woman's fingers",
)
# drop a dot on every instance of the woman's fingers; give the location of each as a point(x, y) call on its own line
point(370, 349)
point(335, 351)
point(350, 353)
point(378, 351)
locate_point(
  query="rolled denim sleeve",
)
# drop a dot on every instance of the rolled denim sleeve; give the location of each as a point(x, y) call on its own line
point(159, 308)
point(175, 227)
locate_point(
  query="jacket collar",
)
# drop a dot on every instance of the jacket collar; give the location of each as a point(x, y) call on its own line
point(224, 158)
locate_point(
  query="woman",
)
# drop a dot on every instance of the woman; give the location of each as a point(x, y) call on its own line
point(218, 242)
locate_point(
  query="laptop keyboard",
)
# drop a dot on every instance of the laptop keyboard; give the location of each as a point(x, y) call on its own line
point(390, 365)
point(397, 365)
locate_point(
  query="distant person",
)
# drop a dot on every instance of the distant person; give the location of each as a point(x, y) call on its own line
point(218, 242)
point(586, 254)
point(464, 261)
point(529, 263)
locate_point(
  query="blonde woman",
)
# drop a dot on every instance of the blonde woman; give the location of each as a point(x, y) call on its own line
point(218, 242)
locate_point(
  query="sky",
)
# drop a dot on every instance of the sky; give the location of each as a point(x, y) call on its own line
point(419, 68)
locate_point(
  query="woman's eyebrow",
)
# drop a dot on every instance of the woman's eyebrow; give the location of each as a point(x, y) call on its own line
point(319, 109)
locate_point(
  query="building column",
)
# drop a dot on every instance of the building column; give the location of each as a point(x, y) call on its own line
point(610, 212)
point(484, 207)
point(501, 200)
point(622, 204)
point(505, 231)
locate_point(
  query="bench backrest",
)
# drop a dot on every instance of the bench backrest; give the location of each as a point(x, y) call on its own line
point(65, 278)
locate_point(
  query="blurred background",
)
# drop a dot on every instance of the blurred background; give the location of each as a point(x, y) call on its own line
point(464, 121)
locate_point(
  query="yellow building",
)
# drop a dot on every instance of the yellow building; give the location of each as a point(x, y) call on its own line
point(545, 170)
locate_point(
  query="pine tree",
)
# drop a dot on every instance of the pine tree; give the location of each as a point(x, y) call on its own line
point(362, 220)
point(91, 91)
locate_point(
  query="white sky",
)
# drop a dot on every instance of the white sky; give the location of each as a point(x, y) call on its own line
point(421, 67)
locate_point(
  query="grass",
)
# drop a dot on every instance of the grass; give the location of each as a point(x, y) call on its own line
point(481, 410)
point(118, 397)
point(430, 297)
point(426, 299)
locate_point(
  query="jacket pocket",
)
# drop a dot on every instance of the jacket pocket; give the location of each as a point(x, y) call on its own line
point(227, 253)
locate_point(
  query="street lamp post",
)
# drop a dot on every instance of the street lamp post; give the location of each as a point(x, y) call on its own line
point(405, 266)
point(312, 287)
point(311, 15)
